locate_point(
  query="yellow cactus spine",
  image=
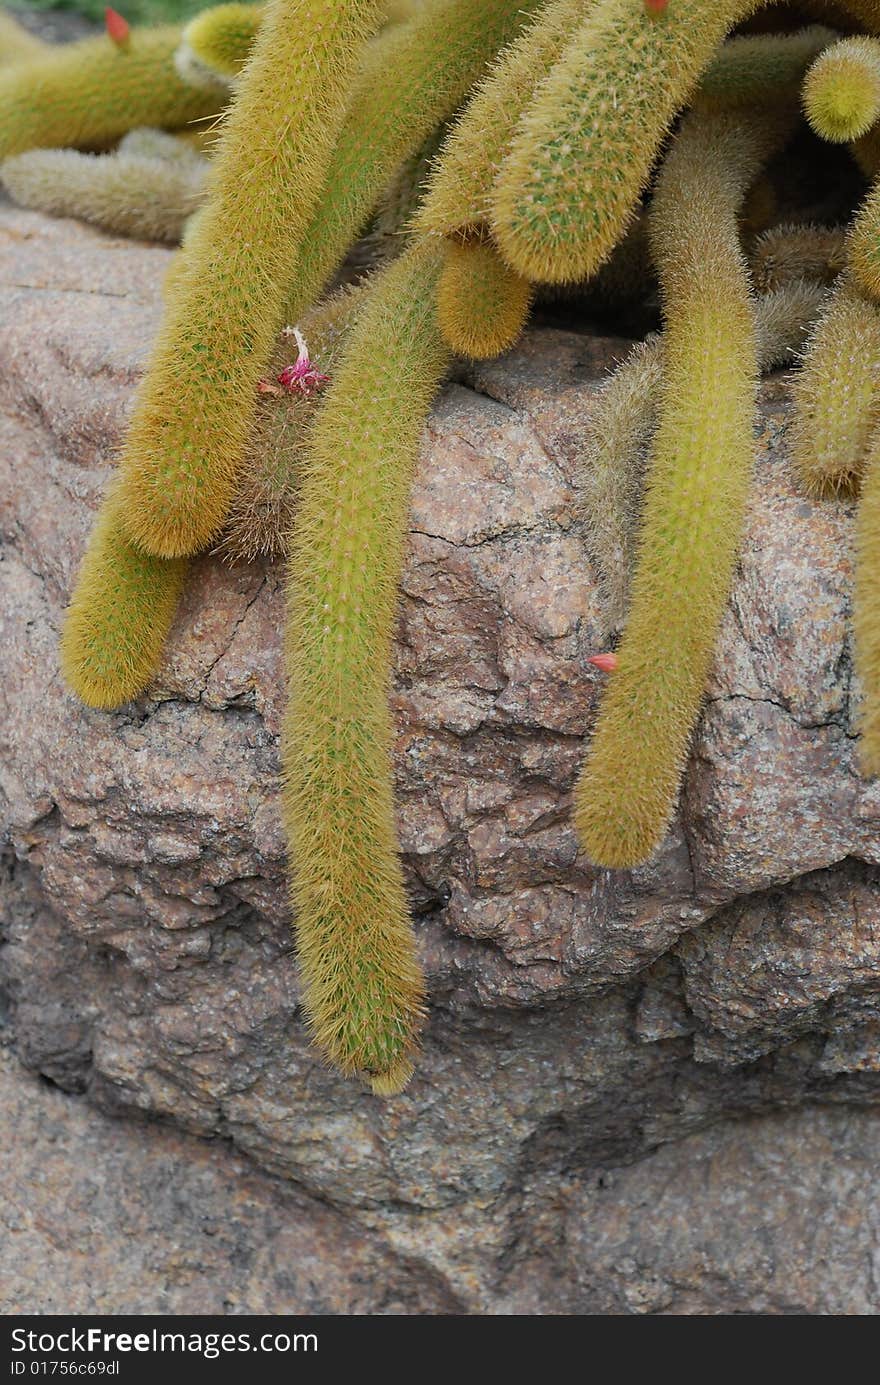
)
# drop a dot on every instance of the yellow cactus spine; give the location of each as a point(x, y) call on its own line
point(415, 76)
point(698, 479)
point(17, 45)
point(583, 151)
point(481, 304)
point(458, 197)
point(119, 615)
point(841, 91)
point(363, 988)
point(215, 46)
point(196, 405)
point(90, 93)
point(866, 612)
point(124, 193)
point(836, 393)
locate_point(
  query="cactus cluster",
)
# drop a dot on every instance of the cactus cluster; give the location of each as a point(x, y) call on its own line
point(598, 152)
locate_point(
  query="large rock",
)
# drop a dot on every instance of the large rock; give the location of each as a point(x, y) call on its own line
point(579, 1017)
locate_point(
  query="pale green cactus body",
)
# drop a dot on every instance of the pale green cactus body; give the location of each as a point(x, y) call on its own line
point(121, 192)
point(363, 989)
point(196, 405)
point(698, 479)
point(583, 151)
point(119, 616)
point(836, 393)
point(92, 92)
point(415, 76)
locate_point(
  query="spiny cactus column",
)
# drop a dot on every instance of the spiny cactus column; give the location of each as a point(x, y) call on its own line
point(363, 989)
point(415, 76)
point(262, 508)
point(119, 617)
point(196, 405)
point(458, 197)
point(698, 480)
point(584, 149)
point(836, 393)
point(482, 304)
point(90, 93)
point(121, 192)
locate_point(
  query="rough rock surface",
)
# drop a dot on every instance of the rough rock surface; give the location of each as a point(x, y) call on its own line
point(580, 1018)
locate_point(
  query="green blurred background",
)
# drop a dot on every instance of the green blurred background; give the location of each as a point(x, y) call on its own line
point(135, 11)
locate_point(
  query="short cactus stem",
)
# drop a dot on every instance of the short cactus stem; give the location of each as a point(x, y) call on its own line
point(92, 92)
point(836, 393)
point(482, 305)
point(866, 612)
point(216, 44)
point(841, 91)
point(698, 478)
point(363, 992)
point(119, 616)
point(583, 151)
point(196, 404)
point(794, 252)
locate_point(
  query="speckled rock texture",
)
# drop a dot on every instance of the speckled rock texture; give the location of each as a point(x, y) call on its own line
point(581, 1020)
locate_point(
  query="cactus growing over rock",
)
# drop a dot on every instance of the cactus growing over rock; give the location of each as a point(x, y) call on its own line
point(563, 140)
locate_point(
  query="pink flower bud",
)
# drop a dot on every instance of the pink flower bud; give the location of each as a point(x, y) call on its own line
point(118, 29)
point(606, 662)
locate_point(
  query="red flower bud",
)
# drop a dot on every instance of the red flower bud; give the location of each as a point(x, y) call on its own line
point(118, 29)
point(606, 662)
point(655, 7)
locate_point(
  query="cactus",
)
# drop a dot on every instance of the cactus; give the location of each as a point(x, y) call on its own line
point(482, 305)
point(92, 92)
point(841, 91)
point(215, 46)
point(17, 44)
point(414, 77)
point(697, 484)
point(124, 193)
point(623, 422)
point(196, 405)
point(790, 252)
point(837, 393)
point(119, 616)
point(755, 68)
point(363, 990)
point(458, 197)
point(583, 151)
